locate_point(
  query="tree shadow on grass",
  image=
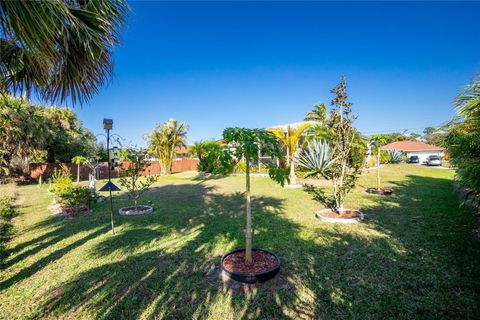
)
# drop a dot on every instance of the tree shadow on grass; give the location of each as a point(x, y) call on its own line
point(409, 259)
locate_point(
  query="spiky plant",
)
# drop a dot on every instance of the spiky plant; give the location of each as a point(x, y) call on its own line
point(396, 156)
point(316, 157)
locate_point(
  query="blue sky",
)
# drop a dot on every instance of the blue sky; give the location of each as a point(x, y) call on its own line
point(257, 64)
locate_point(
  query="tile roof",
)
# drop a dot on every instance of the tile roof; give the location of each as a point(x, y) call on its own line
point(411, 146)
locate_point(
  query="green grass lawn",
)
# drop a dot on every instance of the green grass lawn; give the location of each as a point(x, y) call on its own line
point(413, 257)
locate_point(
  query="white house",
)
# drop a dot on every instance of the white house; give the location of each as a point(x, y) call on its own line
point(415, 148)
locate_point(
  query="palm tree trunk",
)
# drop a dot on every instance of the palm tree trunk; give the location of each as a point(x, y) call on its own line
point(378, 169)
point(248, 231)
point(292, 176)
point(78, 172)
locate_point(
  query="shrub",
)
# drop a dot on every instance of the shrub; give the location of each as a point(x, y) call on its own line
point(60, 181)
point(6, 208)
point(384, 156)
point(75, 198)
point(215, 159)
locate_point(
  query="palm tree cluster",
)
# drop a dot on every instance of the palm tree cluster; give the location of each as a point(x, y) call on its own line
point(35, 133)
point(58, 49)
point(164, 141)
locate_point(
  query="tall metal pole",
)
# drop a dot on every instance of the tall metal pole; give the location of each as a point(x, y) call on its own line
point(110, 179)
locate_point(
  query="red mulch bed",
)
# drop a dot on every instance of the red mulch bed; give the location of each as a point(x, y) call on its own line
point(76, 211)
point(262, 262)
point(347, 214)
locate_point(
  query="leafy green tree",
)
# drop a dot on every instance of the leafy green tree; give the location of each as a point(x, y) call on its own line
point(22, 131)
point(58, 49)
point(78, 160)
point(247, 144)
point(290, 140)
point(164, 140)
point(33, 133)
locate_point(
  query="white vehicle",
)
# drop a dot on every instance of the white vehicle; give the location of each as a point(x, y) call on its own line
point(434, 161)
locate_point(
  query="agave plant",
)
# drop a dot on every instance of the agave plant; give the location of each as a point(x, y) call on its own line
point(396, 156)
point(316, 157)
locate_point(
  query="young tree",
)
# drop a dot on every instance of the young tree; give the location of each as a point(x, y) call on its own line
point(78, 160)
point(164, 140)
point(246, 143)
point(131, 178)
point(290, 141)
point(344, 163)
point(378, 141)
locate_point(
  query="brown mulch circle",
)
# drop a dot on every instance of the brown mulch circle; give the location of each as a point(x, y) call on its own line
point(262, 262)
point(384, 191)
point(347, 214)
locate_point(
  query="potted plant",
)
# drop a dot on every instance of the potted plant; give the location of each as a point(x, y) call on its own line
point(132, 180)
point(338, 160)
point(250, 265)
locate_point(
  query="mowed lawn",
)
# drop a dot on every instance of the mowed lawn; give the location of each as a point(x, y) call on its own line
point(413, 257)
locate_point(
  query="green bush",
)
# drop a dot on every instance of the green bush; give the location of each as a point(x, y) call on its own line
point(60, 181)
point(6, 208)
point(215, 159)
point(74, 198)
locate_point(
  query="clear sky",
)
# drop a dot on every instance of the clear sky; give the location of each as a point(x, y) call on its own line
point(248, 64)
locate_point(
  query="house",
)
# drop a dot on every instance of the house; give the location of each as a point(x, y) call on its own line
point(415, 148)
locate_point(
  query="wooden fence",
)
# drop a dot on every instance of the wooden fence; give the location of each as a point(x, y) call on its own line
point(46, 169)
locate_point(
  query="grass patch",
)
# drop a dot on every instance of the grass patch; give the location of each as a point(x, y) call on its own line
point(412, 257)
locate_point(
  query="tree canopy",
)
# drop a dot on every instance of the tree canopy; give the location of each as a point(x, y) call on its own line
point(58, 49)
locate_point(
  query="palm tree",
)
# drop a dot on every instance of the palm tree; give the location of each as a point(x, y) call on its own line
point(290, 140)
point(318, 114)
point(78, 160)
point(164, 140)
point(58, 49)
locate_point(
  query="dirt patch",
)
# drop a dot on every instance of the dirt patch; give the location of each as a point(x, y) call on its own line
point(347, 214)
point(382, 191)
point(262, 262)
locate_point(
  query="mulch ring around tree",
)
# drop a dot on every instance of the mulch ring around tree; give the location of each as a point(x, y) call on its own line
point(345, 216)
point(262, 262)
point(135, 210)
point(218, 280)
point(57, 210)
point(381, 191)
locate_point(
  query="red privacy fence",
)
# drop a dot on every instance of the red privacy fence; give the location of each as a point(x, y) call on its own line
point(46, 169)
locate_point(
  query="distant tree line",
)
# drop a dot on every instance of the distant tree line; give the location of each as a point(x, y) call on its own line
point(35, 133)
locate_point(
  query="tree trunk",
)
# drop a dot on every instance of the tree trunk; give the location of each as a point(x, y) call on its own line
point(378, 169)
point(292, 176)
point(248, 230)
point(78, 172)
